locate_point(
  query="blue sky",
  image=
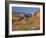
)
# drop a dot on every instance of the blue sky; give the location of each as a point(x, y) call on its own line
point(24, 9)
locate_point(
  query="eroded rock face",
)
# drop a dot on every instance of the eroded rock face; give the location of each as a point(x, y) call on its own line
point(36, 20)
point(37, 14)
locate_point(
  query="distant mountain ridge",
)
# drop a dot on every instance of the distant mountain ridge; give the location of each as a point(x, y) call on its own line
point(23, 14)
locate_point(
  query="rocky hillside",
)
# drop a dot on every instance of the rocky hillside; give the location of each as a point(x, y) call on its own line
point(27, 23)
